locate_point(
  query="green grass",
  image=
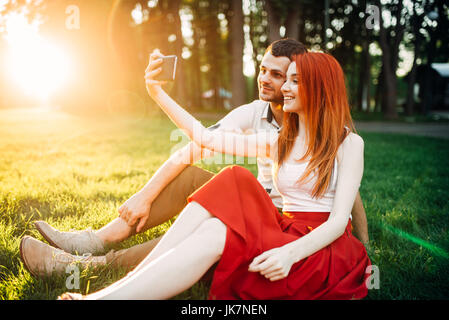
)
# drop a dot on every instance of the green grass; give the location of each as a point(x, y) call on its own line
point(74, 173)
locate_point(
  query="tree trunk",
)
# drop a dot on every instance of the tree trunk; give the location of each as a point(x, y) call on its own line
point(212, 40)
point(363, 94)
point(389, 60)
point(119, 35)
point(237, 38)
point(293, 21)
point(254, 94)
point(379, 88)
point(180, 89)
point(410, 103)
point(427, 103)
point(390, 94)
point(274, 21)
point(195, 75)
point(367, 80)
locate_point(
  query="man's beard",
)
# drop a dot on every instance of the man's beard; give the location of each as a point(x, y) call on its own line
point(271, 97)
point(278, 100)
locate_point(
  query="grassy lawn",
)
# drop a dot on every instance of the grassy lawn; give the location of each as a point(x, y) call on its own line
point(74, 173)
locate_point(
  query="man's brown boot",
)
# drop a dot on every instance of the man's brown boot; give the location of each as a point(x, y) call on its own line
point(42, 260)
point(75, 242)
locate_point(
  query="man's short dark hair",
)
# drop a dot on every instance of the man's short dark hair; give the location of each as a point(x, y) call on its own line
point(286, 48)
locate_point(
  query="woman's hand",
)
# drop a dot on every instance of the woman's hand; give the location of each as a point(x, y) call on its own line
point(274, 264)
point(152, 70)
point(136, 209)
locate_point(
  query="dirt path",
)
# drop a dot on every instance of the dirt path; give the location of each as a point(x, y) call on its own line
point(437, 130)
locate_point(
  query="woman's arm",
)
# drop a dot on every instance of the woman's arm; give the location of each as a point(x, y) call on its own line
point(260, 144)
point(275, 264)
point(350, 172)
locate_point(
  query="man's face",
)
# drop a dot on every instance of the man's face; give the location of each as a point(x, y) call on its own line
point(271, 77)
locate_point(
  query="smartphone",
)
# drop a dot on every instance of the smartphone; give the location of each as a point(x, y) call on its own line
point(168, 68)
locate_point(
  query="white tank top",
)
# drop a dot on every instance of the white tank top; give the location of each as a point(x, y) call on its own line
point(297, 197)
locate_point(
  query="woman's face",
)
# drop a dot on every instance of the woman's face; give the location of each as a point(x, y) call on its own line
point(290, 90)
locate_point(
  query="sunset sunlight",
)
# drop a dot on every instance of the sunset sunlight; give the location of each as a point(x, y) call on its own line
point(246, 150)
point(35, 64)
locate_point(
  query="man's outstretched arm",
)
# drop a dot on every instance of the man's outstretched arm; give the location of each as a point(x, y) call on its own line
point(359, 221)
point(137, 208)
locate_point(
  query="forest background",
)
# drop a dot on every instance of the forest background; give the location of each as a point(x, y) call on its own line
point(381, 46)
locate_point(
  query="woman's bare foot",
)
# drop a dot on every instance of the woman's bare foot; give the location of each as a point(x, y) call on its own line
point(71, 296)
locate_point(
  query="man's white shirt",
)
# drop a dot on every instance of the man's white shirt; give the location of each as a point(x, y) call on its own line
point(250, 118)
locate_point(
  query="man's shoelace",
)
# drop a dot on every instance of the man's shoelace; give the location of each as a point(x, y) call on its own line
point(65, 257)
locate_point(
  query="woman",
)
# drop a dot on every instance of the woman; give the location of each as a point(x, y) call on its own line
point(309, 251)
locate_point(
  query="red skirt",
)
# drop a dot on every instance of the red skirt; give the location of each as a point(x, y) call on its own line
point(254, 226)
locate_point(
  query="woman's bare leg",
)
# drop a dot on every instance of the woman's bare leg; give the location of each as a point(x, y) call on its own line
point(169, 203)
point(191, 217)
point(174, 270)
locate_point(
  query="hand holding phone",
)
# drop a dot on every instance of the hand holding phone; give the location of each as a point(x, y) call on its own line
point(168, 67)
point(160, 69)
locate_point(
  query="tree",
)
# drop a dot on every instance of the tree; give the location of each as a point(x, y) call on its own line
point(195, 60)
point(213, 55)
point(293, 21)
point(174, 23)
point(364, 79)
point(436, 47)
point(133, 41)
point(416, 21)
point(287, 14)
point(348, 41)
point(274, 20)
point(237, 45)
point(389, 40)
point(258, 30)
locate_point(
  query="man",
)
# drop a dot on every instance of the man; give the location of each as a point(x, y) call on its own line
point(165, 194)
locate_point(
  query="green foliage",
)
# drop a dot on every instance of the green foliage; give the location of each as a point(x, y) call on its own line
point(111, 48)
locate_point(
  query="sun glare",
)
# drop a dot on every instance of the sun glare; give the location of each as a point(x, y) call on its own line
point(36, 65)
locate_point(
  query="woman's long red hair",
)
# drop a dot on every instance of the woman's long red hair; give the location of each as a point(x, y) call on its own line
point(325, 112)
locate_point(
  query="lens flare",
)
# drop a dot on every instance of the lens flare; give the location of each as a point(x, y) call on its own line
point(407, 236)
point(36, 65)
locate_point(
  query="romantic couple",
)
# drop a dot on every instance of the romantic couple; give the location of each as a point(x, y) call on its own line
point(296, 232)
